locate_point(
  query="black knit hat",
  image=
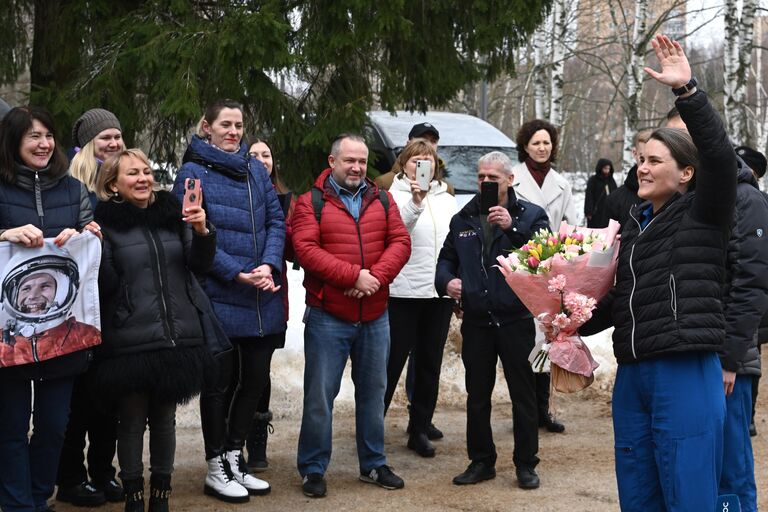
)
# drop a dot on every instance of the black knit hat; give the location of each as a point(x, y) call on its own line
point(91, 124)
point(420, 129)
point(754, 159)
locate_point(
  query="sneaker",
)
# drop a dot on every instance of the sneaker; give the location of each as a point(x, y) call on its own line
point(527, 478)
point(313, 485)
point(112, 490)
point(255, 486)
point(752, 429)
point(478, 471)
point(383, 477)
point(81, 495)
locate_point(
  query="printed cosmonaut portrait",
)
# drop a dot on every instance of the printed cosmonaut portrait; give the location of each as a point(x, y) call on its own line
point(39, 289)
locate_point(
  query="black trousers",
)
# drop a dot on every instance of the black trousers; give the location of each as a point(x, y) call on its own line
point(231, 394)
point(136, 411)
point(543, 385)
point(481, 348)
point(421, 326)
point(90, 417)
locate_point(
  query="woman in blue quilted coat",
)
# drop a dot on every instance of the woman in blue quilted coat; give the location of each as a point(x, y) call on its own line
point(241, 202)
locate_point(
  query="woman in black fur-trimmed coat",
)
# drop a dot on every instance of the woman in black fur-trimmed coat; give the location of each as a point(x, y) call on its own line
point(153, 355)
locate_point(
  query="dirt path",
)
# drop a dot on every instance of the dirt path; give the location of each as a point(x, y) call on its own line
point(576, 468)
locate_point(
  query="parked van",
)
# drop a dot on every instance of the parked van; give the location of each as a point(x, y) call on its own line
point(463, 140)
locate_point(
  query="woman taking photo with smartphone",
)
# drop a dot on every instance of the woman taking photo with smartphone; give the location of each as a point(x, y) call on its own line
point(243, 286)
point(418, 317)
point(154, 354)
point(38, 200)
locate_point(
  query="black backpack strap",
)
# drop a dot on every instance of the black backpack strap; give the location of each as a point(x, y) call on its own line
point(384, 198)
point(317, 202)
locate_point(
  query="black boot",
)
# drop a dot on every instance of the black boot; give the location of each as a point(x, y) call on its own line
point(160, 491)
point(134, 495)
point(257, 441)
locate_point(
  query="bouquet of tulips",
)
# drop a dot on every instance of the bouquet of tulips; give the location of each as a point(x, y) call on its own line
point(560, 277)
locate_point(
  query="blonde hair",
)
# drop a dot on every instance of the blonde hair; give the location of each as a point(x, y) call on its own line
point(85, 167)
point(109, 170)
point(199, 129)
point(416, 147)
point(642, 136)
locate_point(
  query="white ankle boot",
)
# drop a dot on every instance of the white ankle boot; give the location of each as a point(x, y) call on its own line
point(220, 482)
point(255, 486)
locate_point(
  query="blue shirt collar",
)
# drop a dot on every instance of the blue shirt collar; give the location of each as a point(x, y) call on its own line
point(646, 214)
point(343, 191)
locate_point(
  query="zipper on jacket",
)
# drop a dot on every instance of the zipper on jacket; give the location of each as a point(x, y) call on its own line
point(33, 342)
point(634, 284)
point(166, 324)
point(634, 278)
point(673, 293)
point(631, 296)
point(482, 251)
point(362, 255)
point(434, 237)
point(255, 248)
point(39, 200)
point(482, 267)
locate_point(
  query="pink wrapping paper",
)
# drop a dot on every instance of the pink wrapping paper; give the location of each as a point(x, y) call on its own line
point(590, 274)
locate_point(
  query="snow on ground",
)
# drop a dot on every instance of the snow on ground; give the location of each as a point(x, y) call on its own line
point(288, 364)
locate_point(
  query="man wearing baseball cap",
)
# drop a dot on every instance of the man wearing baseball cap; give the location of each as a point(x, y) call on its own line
point(425, 131)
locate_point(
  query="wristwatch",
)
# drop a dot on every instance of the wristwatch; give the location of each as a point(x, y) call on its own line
point(686, 88)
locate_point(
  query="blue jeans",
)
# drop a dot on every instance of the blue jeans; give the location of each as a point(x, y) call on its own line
point(328, 343)
point(738, 476)
point(668, 418)
point(28, 466)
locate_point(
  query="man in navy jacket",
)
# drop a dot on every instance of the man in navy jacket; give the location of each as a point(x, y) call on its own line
point(495, 323)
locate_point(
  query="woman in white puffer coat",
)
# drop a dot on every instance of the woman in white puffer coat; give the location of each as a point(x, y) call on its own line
point(418, 317)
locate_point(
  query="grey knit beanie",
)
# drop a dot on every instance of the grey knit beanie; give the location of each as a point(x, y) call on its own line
point(91, 124)
point(4, 108)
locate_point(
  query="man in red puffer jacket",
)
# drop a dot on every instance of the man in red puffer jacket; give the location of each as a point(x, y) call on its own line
point(352, 244)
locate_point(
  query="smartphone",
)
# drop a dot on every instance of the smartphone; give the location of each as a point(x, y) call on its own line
point(193, 194)
point(489, 196)
point(423, 174)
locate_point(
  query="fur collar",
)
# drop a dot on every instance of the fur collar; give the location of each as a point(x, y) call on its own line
point(164, 212)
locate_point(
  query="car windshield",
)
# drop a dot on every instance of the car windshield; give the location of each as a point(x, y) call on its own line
point(461, 164)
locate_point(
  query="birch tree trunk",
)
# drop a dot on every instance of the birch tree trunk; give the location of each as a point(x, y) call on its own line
point(634, 75)
point(761, 116)
point(559, 33)
point(737, 57)
point(539, 72)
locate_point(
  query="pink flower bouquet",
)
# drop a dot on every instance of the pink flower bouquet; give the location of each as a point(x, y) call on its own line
point(560, 277)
